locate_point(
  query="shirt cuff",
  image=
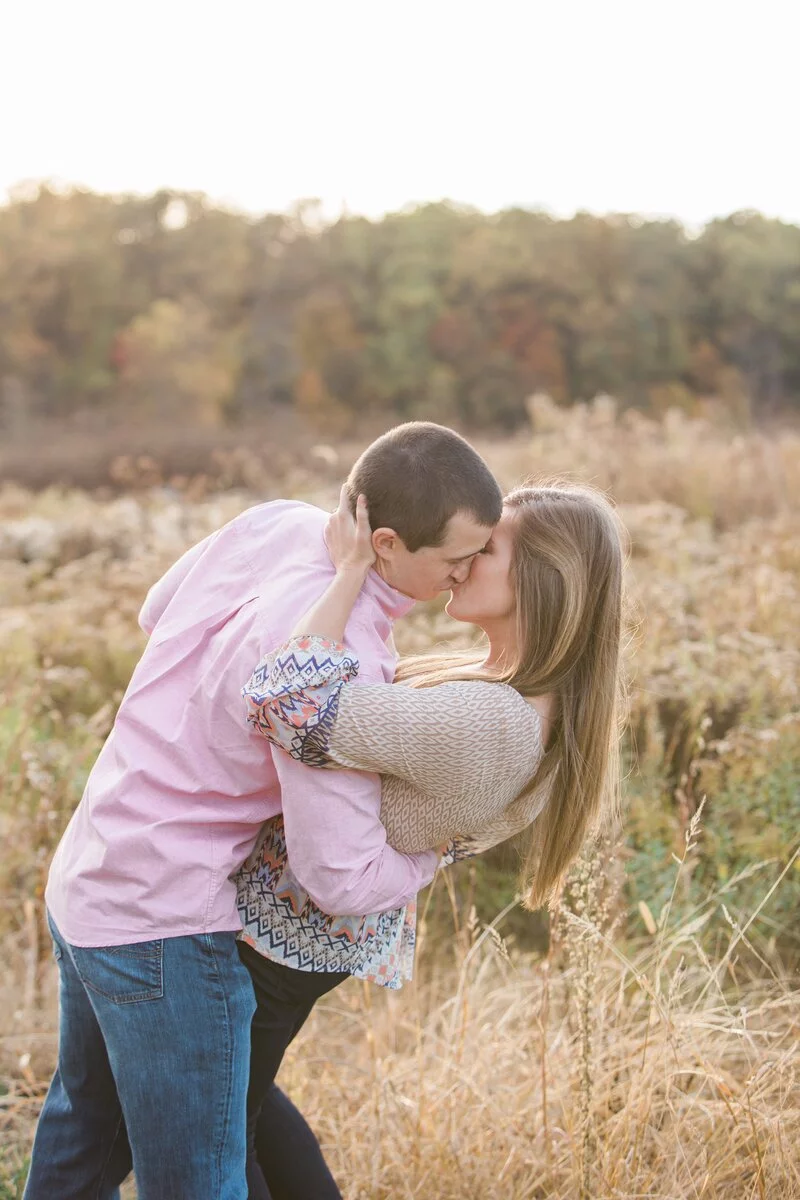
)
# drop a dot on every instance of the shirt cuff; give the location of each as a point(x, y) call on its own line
point(292, 697)
point(310, 660)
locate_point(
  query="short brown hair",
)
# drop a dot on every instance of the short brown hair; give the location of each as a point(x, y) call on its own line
point(417, 477)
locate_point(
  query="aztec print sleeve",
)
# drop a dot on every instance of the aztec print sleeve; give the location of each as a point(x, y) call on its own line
point(292, 697)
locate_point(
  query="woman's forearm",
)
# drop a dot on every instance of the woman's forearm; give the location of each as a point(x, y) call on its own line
point(329, 616)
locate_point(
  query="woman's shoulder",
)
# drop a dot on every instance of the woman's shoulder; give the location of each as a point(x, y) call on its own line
point(465, 714)
point(485, 702)
point(486, 692)
point(495, 725)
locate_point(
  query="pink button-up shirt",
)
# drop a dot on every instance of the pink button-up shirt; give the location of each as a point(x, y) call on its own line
point(182, 785)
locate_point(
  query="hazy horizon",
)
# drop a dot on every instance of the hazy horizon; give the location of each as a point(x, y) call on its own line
point(684, 112)
point(330, 212)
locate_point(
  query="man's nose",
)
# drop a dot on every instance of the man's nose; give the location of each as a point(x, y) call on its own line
point(461, 572)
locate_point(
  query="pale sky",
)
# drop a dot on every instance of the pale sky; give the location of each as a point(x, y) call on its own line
point(686, 107)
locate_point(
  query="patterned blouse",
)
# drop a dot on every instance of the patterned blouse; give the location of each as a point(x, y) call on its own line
point(453, 761)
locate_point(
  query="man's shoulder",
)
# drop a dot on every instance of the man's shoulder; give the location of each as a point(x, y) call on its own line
point(279, 530)
point(274, 513)
point(284, 543)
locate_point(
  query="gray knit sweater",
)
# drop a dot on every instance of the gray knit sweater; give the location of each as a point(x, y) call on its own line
point(453, 757)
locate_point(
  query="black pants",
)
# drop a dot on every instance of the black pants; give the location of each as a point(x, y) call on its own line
point(284, 1160)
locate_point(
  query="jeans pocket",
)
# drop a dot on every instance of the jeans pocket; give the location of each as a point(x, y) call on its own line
point(122, 974)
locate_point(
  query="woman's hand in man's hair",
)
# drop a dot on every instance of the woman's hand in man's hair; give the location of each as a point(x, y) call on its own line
point(349, 539)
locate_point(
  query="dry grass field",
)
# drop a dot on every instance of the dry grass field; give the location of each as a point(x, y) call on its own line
point(651, 1048)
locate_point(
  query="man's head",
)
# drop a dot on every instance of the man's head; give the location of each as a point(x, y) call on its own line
point(432, 505)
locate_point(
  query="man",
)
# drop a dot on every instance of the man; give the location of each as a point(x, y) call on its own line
point(155, 1003)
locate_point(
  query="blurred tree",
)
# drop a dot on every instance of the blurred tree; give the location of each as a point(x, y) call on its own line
point(171, 363)
point(166, 303)
point(746, 274)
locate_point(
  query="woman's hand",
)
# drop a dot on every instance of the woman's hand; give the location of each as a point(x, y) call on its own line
point(349, 541)
point(349, 544)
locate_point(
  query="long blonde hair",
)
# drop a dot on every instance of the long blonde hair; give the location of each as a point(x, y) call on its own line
point(566, 571)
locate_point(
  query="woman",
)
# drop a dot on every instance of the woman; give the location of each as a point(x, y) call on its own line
point(521, 734)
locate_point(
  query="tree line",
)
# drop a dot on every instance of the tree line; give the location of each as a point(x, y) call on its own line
point(167, 306)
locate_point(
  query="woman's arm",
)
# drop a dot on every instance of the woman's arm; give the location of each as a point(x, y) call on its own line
point(457, 760)
point(459, 739)
point(292, 696)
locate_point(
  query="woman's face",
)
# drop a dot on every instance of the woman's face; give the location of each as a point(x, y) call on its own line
point(487, 596)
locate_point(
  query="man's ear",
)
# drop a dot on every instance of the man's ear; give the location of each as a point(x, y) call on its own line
point(385, 541)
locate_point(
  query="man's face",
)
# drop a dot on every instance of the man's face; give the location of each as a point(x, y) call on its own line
point(431, 569)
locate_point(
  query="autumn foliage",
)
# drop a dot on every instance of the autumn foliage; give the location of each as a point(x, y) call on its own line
point(166, 307)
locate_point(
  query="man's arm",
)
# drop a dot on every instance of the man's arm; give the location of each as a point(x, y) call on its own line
point(337, 846)
point(335, 840)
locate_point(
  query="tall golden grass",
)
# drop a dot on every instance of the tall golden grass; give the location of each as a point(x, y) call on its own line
point(654, 1049)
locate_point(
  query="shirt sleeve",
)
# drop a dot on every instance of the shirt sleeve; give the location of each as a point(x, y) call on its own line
point(337, 846)
point(292, 697)
point(335, 842)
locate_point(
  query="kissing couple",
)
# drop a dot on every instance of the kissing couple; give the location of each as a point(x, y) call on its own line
point(277, 789)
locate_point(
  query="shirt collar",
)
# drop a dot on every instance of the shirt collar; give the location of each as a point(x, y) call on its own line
point(393, 603)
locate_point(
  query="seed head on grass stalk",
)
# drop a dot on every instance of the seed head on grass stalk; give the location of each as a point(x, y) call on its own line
point(586, 911)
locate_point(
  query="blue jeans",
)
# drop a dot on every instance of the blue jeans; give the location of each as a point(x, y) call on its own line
point(153, 1060)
